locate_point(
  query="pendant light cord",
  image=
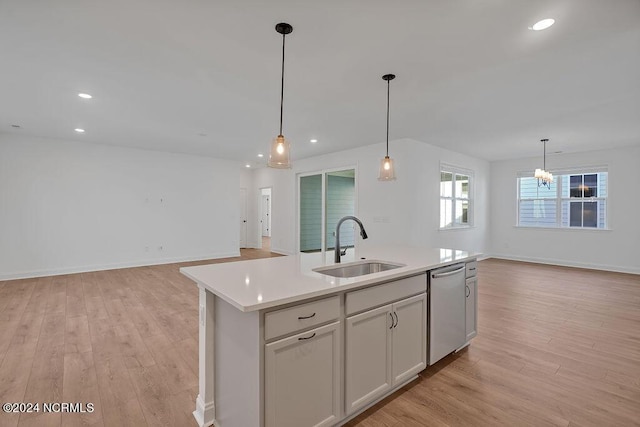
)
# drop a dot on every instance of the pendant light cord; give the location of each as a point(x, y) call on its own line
point(388, 86)
point(282, 86)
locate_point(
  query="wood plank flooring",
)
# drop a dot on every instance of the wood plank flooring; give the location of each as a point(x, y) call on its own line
point(556, 346)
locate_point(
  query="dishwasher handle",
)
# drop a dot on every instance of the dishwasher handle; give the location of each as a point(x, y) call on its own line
point(448, 273)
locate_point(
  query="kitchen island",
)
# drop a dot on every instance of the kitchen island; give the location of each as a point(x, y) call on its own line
point(282, 344)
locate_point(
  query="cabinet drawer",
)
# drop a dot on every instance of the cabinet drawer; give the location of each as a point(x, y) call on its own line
point(383, 294)
point(471, 269)
point(296, 318)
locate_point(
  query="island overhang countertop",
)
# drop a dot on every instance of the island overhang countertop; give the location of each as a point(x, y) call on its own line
point(259, 284)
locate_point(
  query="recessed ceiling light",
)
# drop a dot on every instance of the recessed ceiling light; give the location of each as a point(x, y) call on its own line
point(260, 155)
point(313, 141)
point(542, 25)
point(79, 130)
point(247, 166)
point(85, 95)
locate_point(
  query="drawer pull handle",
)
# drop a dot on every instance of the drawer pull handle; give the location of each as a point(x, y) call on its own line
point(307, 338)
point(392, 321)
point(473, 269)
point(468, 291)
point(396, 314)
point(306, 317)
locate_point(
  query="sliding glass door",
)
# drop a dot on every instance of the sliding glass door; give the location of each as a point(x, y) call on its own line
point(323, 198)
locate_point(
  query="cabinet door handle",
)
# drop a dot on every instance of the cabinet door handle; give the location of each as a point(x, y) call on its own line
point(307, 338)
point(468, 291)
point(306, 317)
point(391, 315)
point(396, 314)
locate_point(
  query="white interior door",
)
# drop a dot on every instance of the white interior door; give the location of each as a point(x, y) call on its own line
point(243, 217)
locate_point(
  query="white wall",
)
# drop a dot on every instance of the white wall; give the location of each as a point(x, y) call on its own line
point(69, 206)
point(283, 220)
point(405, 211)
point(615, 249)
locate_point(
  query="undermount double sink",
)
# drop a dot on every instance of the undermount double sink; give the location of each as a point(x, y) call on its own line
point(356, 269)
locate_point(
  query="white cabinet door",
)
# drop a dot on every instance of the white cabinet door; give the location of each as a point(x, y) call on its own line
point(409, 338)
point(368, 357)
point(302, 379)
point(471, 307)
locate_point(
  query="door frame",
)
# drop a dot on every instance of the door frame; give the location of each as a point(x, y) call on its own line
point(244, 223)
point(259, 228)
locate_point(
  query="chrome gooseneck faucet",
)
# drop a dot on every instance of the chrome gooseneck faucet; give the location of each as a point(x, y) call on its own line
point(363, 233)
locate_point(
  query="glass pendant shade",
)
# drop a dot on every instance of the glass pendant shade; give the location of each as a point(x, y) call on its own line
point(279, 155)
point(387, 171)
point(543, 175)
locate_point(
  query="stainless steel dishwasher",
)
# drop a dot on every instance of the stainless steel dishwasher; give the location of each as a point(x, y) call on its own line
point(446, 311)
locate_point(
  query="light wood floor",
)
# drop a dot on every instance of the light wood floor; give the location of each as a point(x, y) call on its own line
point(556, 346)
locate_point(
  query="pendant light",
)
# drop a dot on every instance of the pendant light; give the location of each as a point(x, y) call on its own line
point(279, 156)
point(387, 172)
point(545, 178)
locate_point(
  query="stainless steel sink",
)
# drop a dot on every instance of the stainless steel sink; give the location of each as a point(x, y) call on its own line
point(357, 269)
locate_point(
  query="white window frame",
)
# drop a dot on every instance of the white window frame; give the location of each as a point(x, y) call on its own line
point(445, 167)
point(559, 199)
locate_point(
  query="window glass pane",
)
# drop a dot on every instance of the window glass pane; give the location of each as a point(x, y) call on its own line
point(529, 189)
point(311, 213)
point(340, 201)
point(462, 212)
point(575, 214)
point(564, 179)
point(445, 213)
point(446, 184)
point(602, 184)
point(602, 223)
point(564, 214)
point(537, 213)
point(576, 185)
point(462, 186)
point(590, 214)
point(591, 185)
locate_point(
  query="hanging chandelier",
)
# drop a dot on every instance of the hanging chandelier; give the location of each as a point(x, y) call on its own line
point(280, 152)
point(545, 178)
point(387, 172)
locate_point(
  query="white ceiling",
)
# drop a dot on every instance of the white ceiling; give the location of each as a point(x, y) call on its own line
point(470, 76)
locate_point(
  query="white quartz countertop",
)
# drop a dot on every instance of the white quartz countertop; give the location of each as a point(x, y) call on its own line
point(269, 282)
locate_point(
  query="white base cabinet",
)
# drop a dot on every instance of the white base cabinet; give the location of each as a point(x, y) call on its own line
point(302, 379)
point(471, 300)
point(471, 307)
point(385, 346)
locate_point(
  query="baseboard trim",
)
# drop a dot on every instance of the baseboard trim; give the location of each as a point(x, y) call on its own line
point(114, 266)
point(564, 263)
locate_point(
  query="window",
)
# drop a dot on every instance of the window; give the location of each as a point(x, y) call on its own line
point(575, 200)
point(455, 197)
point(324, 197)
